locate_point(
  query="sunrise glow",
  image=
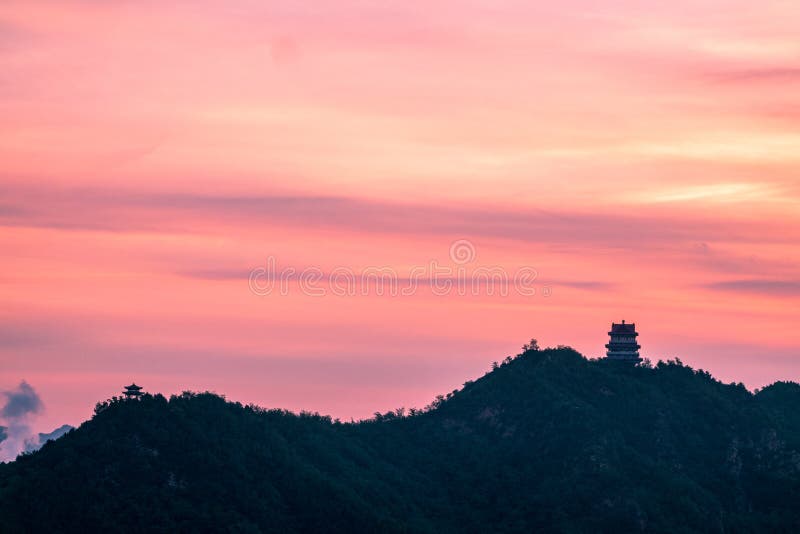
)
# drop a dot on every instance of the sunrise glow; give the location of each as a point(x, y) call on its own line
point(644, 162)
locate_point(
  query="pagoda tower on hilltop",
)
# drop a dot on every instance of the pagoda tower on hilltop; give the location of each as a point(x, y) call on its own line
point(622, 345)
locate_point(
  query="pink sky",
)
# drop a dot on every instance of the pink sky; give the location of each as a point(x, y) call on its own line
point(642, 156)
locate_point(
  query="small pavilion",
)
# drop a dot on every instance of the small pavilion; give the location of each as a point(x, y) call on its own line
point(133, 391)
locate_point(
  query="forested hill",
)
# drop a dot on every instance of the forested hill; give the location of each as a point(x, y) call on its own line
point(548, 441)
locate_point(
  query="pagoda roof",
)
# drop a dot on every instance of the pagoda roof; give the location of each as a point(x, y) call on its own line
point(623, 328)
point(133, 386)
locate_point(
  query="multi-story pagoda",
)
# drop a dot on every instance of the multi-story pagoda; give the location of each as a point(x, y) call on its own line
point(622, 345)
point(133, 391)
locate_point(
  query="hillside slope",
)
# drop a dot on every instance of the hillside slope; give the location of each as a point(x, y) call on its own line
point(549, 441)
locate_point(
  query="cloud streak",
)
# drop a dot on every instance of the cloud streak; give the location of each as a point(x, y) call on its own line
point(121, 211)
point(773, 74)
point(774, 288)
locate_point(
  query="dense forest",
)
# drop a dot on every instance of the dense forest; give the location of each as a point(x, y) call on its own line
point(545, 441)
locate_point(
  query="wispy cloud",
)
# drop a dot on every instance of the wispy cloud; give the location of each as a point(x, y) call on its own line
point(726, 192)
point(763, 74)
point(18, 333)
point(777, 288)
point(121, 211)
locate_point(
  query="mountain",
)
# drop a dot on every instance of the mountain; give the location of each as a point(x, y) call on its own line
point(42, 438)
point(546, 441)
point(32, 443)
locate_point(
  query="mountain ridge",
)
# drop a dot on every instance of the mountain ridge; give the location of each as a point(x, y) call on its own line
point(547, 440)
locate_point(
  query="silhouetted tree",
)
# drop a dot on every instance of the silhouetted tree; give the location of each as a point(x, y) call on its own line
point(532, 345)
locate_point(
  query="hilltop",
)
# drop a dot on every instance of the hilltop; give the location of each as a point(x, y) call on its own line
point(546, 441)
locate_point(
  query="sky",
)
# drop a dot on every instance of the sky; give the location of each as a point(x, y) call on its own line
point(165, 164)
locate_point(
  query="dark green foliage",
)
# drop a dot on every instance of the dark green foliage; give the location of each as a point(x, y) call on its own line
point(547, 441)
